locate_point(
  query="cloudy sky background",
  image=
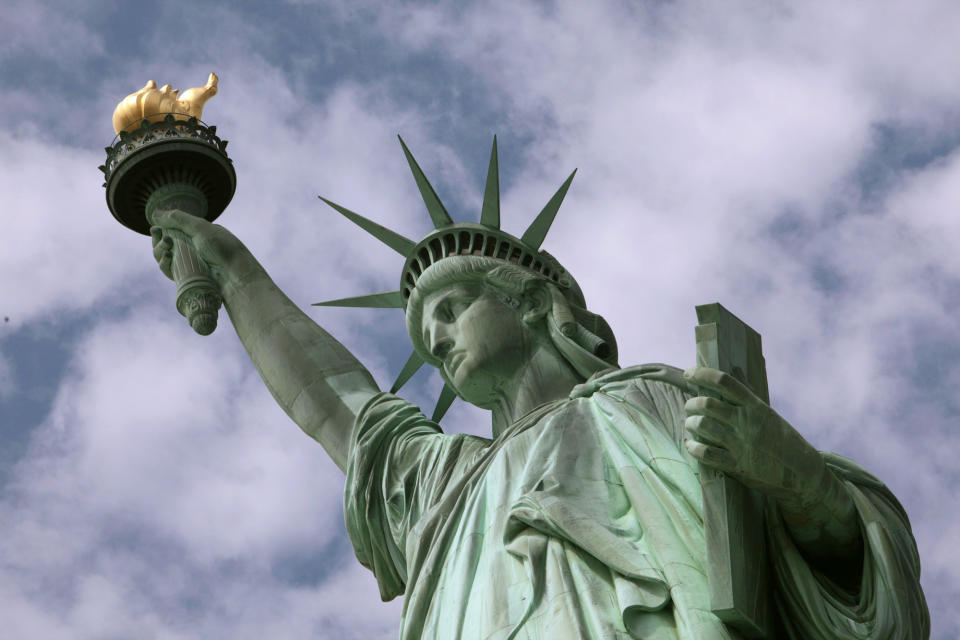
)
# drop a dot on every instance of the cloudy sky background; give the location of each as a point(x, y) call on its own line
point(799, 162)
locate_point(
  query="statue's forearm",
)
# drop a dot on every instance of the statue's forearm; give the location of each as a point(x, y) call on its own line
point(313, 377)
point(826, 529)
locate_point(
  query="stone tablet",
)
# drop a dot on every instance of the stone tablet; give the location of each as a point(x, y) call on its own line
point(737, 568)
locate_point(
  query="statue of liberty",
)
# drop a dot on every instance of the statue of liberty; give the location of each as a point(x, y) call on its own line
point(582, 515)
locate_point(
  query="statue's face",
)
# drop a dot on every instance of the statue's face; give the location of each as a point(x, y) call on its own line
point(482, 343)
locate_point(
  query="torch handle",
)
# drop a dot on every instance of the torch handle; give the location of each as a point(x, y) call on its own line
point(198, 298)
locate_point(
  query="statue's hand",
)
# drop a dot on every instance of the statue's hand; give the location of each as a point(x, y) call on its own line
point(742, 436)
point(227, 257)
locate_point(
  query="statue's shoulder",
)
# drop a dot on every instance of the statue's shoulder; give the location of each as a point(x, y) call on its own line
point(644, 377)
point(657, 391)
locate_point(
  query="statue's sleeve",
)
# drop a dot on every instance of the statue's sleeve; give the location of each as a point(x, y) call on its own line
point(890, 603)
point(399, 465)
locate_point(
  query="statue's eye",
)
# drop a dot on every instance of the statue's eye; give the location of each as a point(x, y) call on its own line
point(444, 312)
point(455, 307)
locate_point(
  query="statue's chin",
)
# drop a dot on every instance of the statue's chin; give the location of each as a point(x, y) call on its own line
point(470, 386)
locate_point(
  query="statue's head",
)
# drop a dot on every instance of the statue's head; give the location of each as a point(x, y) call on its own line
point(479, 320)
point(479, 301)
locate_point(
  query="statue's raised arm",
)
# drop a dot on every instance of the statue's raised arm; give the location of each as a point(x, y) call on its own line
point(168, 175)
point(314, 378)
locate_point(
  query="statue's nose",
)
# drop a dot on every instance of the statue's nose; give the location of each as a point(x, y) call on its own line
point(440, 342)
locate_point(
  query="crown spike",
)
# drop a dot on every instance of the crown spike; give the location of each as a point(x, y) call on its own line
point(385, 300)
point(435, 208)
point(403, 246)
point(447, 396)
point(490, 212)
point(411, 367)
point(537, 231)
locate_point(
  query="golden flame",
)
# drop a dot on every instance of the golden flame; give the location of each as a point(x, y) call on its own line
point(154, 104)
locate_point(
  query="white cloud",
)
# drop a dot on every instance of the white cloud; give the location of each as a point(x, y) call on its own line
point(38, 29)
point(60, 250)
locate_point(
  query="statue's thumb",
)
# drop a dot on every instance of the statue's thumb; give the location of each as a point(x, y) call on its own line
point(172, 219)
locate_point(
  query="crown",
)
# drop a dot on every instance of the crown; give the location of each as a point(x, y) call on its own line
point(450, 239)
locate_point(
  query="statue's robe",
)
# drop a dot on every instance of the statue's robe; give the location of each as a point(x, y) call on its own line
point(584, 519)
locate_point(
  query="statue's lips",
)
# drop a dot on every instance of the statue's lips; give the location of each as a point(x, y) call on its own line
point(455, 358)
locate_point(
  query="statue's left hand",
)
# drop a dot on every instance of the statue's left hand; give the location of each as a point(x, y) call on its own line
point(743, 436)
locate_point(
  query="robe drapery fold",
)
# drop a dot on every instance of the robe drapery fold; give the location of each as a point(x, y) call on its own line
point(584, 519)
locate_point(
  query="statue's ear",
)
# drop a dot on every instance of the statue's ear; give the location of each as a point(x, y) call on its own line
point(537, 303)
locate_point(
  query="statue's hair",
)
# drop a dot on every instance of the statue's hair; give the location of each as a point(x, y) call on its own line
point(584, 338)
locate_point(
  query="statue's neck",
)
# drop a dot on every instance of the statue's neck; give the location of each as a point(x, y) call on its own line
point(546, 377)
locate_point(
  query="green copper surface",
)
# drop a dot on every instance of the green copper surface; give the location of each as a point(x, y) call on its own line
point(413, 364)
point(582, 515)
point(490, 210)
point(435, 208)
point(738, 574)
point(447, 396)
point(392, 239)
point(385, 300)
point(537, 231)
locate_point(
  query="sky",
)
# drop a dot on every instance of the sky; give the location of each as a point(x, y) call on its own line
point(797, 162)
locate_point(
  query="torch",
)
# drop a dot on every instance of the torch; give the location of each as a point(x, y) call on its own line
point(165, 157)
